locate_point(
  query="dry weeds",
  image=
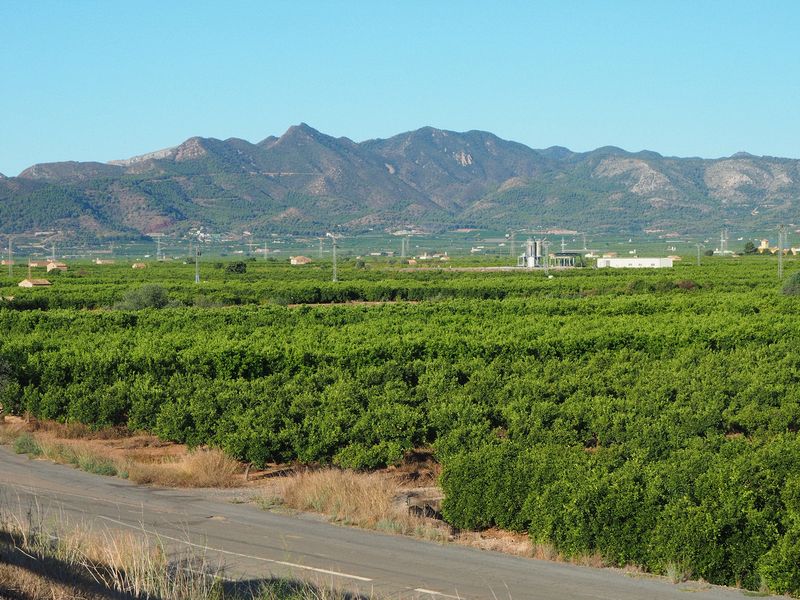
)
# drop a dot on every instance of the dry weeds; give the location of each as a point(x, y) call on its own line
point(198, 468)
point(45, 560)
point(19, 582)
point(142, 458)
point(366, 500)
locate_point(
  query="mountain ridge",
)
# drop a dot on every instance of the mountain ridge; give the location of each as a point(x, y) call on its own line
point(307, 181)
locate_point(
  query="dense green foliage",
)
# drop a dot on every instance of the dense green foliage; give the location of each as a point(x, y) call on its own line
point(236, 267)
point(648, 416)
point(148, 295)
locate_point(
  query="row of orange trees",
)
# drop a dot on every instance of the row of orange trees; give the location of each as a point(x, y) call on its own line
point(651, 423)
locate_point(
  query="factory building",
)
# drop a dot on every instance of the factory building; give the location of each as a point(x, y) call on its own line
point(537, 257)
point(634, 263)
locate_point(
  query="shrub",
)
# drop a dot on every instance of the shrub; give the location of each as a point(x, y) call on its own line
point(149, 295)
point(25, 444)
point(237, 267)
point(792, 285)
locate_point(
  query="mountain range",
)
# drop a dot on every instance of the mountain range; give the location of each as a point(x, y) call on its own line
point(307, 182)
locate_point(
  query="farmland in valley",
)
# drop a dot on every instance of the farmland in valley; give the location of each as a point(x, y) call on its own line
point(649, 416)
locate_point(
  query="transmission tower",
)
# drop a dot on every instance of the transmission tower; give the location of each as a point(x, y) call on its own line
point(158, 236)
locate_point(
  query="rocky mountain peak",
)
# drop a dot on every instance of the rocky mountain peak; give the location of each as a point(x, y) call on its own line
point(190, 149)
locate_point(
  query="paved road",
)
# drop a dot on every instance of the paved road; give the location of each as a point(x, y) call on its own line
point(255, 544)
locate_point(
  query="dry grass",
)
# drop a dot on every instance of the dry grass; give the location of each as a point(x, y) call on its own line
point(366, 500)
point(141, 458)
point(45, 560)
point(10, 429)
point(53, 560)
point(363, 499)
point(199, 468)
point(19, 582)
point(508, 542)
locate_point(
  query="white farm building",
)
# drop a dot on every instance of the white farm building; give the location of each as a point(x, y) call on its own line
point(634, 263)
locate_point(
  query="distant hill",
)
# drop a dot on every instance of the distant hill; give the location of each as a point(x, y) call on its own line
point(307, 182)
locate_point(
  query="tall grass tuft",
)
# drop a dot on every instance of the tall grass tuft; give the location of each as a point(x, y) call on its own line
point(199, 468)
point(361, 499)
point(26, 444)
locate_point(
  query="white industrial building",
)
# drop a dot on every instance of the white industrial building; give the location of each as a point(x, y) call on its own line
point(634, 263)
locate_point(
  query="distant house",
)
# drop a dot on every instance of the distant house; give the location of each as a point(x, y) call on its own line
point(412, 261)
point(6, 262)
point(56, 266)
point(139, 266)
point(38, 263)
point(299, 260)
point(29, 283)
point(104, 261)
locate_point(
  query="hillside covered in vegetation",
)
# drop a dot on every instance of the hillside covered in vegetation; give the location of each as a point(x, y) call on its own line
point(307, 182)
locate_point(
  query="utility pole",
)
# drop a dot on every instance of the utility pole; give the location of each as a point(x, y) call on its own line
point(584, 241)
point(197, 264)
point(265, 251)
point(403, 247)
point(10, 258)
point(698, 253)
point(781, 241)
point(546, 257)
point(333, 242)
point(321, 240)
point(335, 277)
point(511, 241)
point(563, 244)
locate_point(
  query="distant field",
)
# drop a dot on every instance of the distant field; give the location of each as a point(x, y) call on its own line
point(477, 244)
point(649, 416)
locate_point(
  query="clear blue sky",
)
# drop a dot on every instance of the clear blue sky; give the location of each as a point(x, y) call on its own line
point(102, 80)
